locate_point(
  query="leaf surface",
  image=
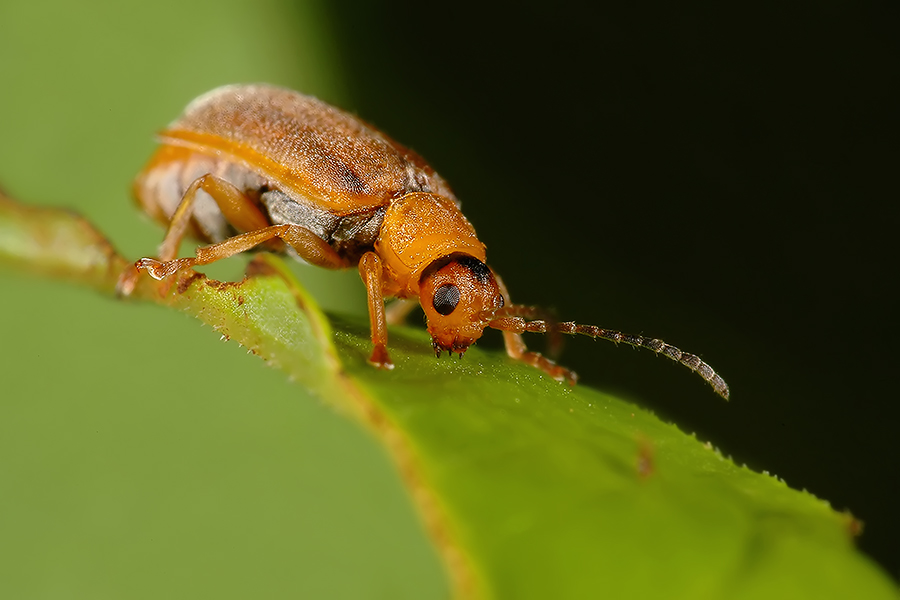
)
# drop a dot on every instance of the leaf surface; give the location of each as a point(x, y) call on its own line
point(529, 489)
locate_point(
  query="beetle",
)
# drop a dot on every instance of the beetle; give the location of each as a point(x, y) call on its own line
point(259, 165)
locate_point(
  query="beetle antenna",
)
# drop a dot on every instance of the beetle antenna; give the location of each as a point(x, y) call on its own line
point(517, 324)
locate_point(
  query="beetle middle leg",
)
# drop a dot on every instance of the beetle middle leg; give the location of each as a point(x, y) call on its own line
point(397, 311)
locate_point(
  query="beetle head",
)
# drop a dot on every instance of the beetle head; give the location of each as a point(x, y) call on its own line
point(460, 297)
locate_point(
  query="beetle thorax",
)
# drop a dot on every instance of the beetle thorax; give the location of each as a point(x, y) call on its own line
point(418, 229)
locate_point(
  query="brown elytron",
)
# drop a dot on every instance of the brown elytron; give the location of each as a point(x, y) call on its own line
point(250, 165)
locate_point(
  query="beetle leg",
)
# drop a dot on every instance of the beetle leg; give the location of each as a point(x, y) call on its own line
point(372, 275)
point(516, 348)
point(308, 245)
point(237, 209)
point(399, 309)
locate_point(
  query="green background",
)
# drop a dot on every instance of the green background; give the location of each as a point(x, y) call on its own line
point(712, 177)
point(142, 458)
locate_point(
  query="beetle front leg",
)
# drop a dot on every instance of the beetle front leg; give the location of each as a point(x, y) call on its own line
point(373, 277)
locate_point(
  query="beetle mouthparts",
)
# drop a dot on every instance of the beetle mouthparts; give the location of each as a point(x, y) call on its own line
point(458, 346)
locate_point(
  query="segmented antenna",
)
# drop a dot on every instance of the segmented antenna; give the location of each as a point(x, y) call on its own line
point(691, 361)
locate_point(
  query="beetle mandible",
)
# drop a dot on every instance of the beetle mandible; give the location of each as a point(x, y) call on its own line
point(290, 172)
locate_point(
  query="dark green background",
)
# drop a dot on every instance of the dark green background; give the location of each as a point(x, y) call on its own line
point(714, 177)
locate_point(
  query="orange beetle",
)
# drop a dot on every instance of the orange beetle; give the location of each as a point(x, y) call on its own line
point(255, 164)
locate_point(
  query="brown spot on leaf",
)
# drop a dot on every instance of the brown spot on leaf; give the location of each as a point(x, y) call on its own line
point(853, 525)
point(645, 464)
point(224, 285)
point(185, 281)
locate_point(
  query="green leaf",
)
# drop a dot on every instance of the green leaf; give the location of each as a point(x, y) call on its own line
point(529, 489)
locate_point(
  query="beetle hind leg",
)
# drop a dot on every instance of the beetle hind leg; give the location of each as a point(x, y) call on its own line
point(240, 212)
point(308, 245)
point(234, 205)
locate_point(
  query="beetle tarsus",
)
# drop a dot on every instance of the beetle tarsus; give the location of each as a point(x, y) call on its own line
point(380, 358)
point(153, 267)
point(566, 375)
point(162, 270)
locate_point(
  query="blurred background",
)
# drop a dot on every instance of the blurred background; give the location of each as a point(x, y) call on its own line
point(723, 178)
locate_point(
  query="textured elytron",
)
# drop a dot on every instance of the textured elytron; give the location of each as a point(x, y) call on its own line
point(305, 146)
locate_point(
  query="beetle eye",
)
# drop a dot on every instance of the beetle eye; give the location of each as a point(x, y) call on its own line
point(446, 298)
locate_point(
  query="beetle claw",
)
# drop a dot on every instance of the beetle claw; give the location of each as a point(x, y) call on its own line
point(153, 267)
point(380, 358)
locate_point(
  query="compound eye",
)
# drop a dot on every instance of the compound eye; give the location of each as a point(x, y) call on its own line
point(446, 298)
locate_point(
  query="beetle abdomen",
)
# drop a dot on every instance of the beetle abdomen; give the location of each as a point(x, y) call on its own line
point(350, 235)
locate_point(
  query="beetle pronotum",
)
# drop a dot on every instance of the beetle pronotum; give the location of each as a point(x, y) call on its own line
point(255, 164)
